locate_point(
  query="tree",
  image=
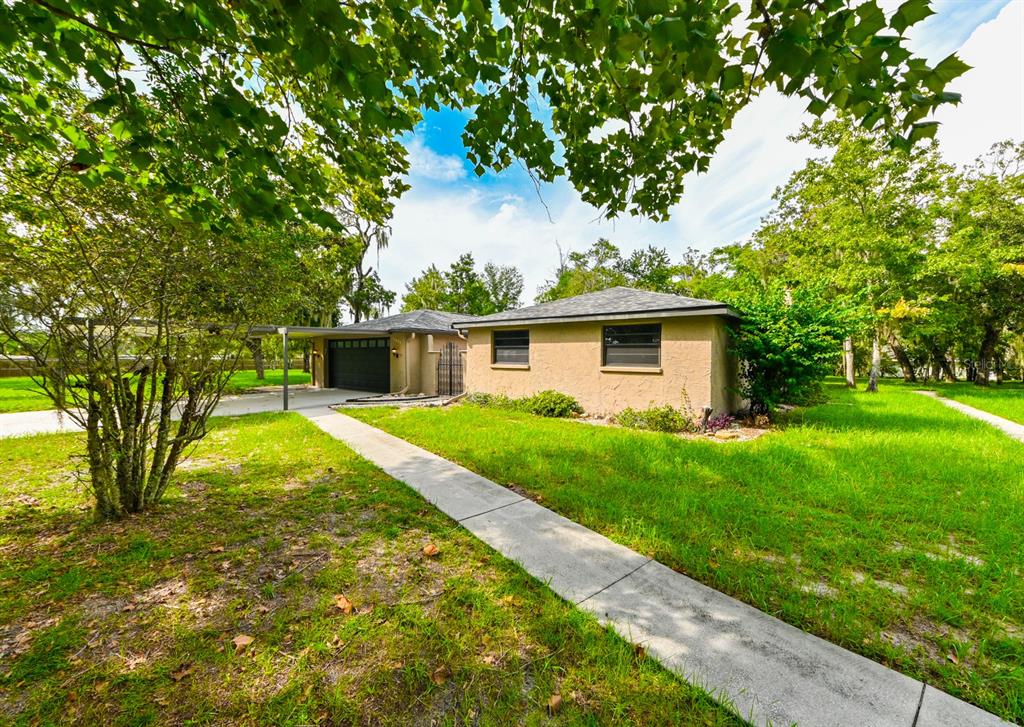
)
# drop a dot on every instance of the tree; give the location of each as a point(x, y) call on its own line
point(602, 266)
point(273, 100)
point(504, 284)
point(461, 289)
point(979, 266)
point(135, 316)
point(135, 323)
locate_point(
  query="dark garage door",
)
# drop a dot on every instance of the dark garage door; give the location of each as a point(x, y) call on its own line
point(359, 363)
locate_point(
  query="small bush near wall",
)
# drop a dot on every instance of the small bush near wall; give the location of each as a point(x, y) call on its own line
point(657, 419)
point(544, 403)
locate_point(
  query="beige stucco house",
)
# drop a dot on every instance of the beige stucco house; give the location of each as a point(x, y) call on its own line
point(396, 354)
point(612, 349)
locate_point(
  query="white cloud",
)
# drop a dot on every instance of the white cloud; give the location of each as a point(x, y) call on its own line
point(993, 90)
point(435, 223)
point(426, 163)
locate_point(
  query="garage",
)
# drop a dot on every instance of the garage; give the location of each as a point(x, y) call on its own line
point(363, 364)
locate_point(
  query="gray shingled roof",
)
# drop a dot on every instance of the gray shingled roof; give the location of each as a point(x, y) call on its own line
point(420, 321)
point(612, 303)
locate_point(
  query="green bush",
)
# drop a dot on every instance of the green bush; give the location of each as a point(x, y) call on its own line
point(551, 404)
point(544, 403)
point(656, 419)
point(786, 342)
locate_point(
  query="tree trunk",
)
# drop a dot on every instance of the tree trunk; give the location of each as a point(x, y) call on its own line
point(848, 363)
point(305, 358)
point(986, 354)
point(255, 346)
point(876, 364)
point(999, 369)
point(902, 358)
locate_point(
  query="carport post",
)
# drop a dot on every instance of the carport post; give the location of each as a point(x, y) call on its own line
point(284, 339)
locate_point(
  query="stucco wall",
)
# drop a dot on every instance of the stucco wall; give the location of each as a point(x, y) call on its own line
point(567, 357)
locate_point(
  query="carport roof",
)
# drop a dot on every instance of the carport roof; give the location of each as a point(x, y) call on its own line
point(417, 321)
point(618, 303)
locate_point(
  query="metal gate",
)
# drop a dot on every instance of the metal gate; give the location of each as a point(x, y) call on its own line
point(450, 371)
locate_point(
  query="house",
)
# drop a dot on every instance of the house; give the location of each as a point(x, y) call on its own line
point(398, 354)
point(612, 349)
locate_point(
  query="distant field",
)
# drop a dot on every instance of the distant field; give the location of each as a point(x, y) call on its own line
point(21, 393)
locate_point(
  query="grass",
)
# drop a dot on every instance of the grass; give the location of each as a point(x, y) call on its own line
point(20, 393)
point(1005, 400)
point(134, 622)
point(888, 523)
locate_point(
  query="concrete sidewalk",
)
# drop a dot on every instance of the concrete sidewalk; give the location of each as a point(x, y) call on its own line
point(19, 424)
point(1012, 429)
point(769, 671)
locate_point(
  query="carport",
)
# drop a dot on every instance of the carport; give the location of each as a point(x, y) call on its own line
point(418, 352)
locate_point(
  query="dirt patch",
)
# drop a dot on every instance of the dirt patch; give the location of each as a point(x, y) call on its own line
point(921, 635)
point(948, 551)
point(899, 589)
point(820, 588)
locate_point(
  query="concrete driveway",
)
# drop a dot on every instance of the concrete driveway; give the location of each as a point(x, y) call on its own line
point(48, 422)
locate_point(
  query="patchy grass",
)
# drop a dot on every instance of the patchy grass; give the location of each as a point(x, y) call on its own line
point(243, 381)
point(889, 523)
point(1005, 400)
point(275, 532)
point(20, 393)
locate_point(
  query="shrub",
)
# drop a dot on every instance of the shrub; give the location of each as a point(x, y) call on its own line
point(786, 342)
point(544, 403)
point(551, 404)
point(656, 419)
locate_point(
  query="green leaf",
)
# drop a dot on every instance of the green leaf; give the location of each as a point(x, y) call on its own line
point(910, 12)
point(923, 130)
point(951, 67)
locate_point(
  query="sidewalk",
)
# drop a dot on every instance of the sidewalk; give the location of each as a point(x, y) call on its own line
point(1012, 429)
point(768, 671)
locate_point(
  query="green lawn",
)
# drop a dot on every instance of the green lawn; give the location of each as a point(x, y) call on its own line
point(1005, 400)
point(888, 523)
point(135, 622)
point(20, 393)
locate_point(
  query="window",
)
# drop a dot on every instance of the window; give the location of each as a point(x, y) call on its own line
point(632, 345)
point(511, 347)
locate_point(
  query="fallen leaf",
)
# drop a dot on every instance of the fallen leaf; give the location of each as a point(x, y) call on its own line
point(343, 604)
point(554, 704)
point(430, 550)
point(181, 672)
point(241, 641)
point(639, 651)
point(440, 675)
point(217, 549)
point(953, 657)
point(263, 609)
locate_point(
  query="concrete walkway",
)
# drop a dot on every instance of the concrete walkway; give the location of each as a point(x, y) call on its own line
point(769, 671)
point(1011, 428)
point(18, 424)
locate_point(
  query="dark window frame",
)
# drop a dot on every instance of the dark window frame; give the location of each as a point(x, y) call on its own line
point(511, 351)
point(634, 346)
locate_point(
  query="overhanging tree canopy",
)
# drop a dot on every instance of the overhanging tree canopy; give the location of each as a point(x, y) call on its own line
point(270, 99)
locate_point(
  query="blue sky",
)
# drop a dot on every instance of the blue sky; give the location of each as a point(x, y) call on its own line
point(501, 218)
